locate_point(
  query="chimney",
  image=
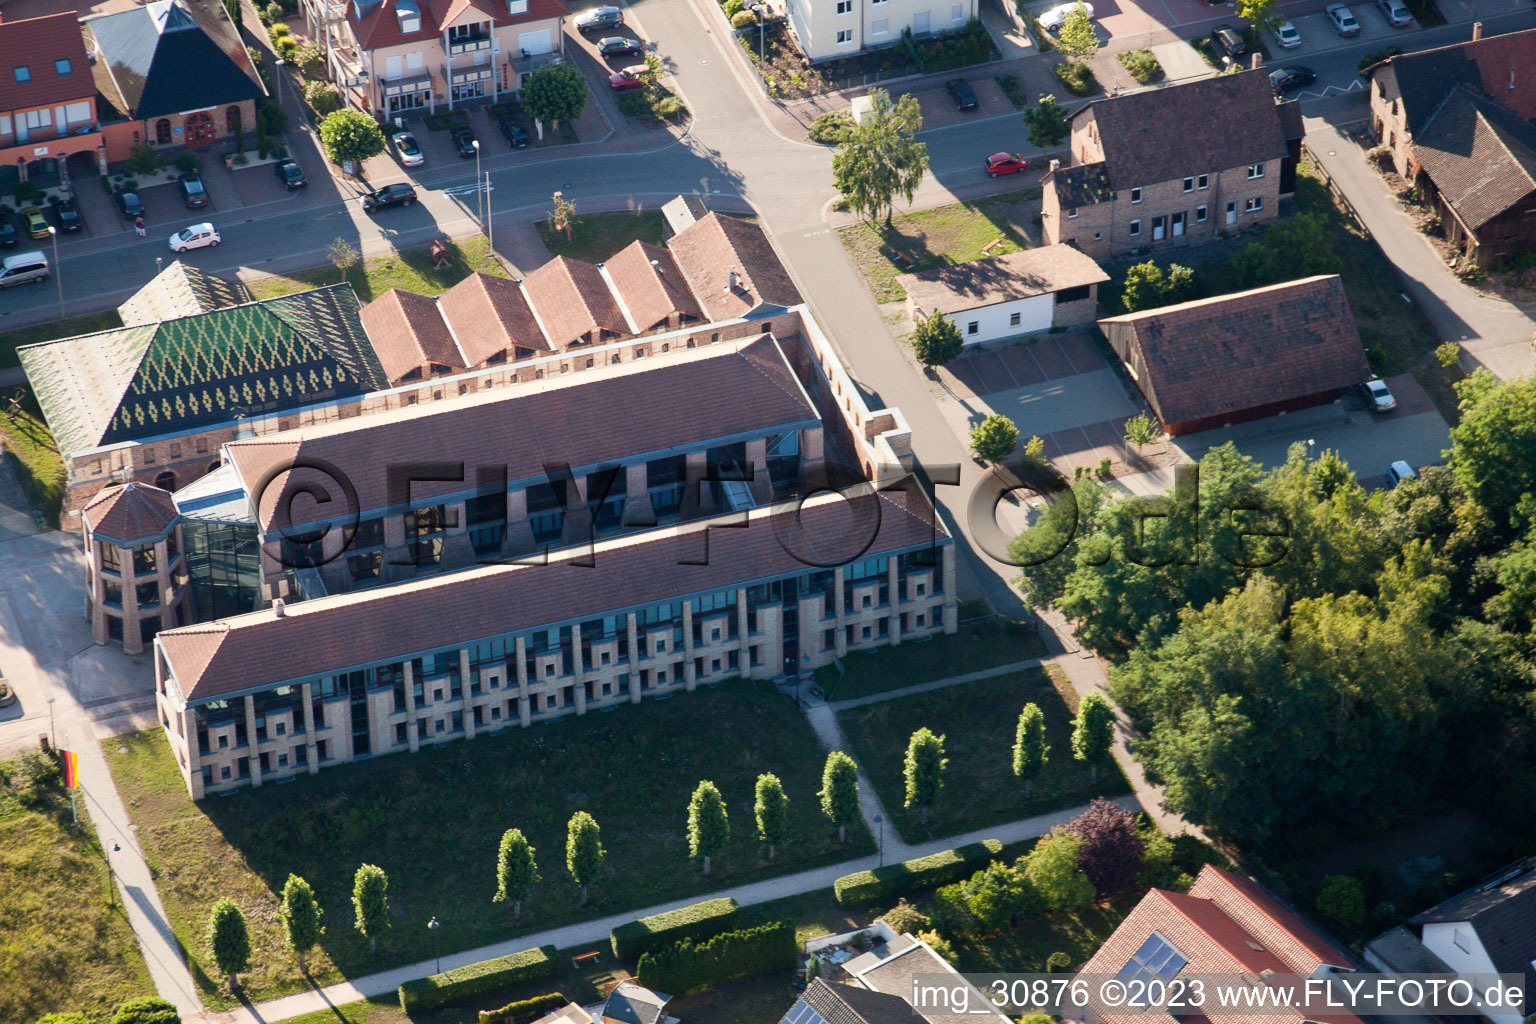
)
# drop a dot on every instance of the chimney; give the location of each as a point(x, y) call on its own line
point(1477, 31)
point(1256, 61)
point(1055, 164)
point(730, 280)
point(279, 609)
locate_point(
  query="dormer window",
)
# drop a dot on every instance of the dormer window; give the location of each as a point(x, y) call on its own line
point(409, 15)
point(517, 6)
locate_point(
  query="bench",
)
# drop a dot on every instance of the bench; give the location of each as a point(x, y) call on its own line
point(442, 259)
point(906, 257)
point(577, 962)
point(992, 244)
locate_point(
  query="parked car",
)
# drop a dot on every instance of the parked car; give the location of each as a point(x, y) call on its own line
point(8, 233)
point(1052, 19)
point(195, 237)
point(1292, 76)
point(619, 46)
point(68, 217)
point(1396, 12)
point(1228, 43)
point(961, 92)
point(129, 203)
point(1287, 36)
point(37, 224)
point(1378, 397)
point(390, 195)
point(631, 77)
point(513, 132)
point(464, 141)
point(1398, 472)
point(599, 17)
point(409, 150)
point(23, 268)
point(1343, 20)
point(999, 164)
point(290, 174)
point(192, 191)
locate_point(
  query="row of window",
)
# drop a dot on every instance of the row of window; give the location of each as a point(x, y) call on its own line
point(1173, 225)
point(921, 24)
point(61, 66)
point(1197, 183)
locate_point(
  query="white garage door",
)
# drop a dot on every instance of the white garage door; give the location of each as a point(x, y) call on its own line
point(541, 41)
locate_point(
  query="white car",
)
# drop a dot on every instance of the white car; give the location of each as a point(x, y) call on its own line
point(409, 149)
point(1052, 19)
point(1400, 471)
point(1342, 19)
point(599, 17)
point(194, 237)
point(1287, 36)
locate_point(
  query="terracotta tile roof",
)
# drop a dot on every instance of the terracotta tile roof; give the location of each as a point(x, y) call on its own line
point(1491, 65)
point(379, 25)
point(571, 300)
point(1225, 925)
point(1050, 268)
point(710, 248)
point(650, 284)
point(329, 634)
point(1080, 185)
point(1481, 157)
point(130, 512)
point(489, 315)
point(669, 401)
point(36, 43)
point(1194, 128)
point(408, 332)
point(1218, 356)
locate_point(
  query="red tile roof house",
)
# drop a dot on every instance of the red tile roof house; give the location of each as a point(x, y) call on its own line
point(392, 57)
point(1228, 925)
point(1170, 166)
point(1245, 356)
point(47, 102)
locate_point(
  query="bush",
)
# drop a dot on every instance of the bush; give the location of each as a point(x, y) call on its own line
point(832, 128)
point(186, 162)
point(524, 1010)
point(146, 1010)
point(743, 19)
point(940, 945)
point(1078, 78)
point(64, 1018)
point(700, 921)
point(1013, 90)
point(1377, 56)
point(34, 775)
point(271, 13)
point(1142, 65)
point(322, 96)
point(278, 28)
point(309, 59)
point(1341, 901)
point(143, 159)
point(912, 875)
point(732, 956)
point(485, 976)
point(273, 115)
point(668, 106)
point(734, 7)
point(905, 919)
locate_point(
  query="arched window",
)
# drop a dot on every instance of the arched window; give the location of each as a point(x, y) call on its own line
point(232, 120)
point(166, 481)
point(163, 131)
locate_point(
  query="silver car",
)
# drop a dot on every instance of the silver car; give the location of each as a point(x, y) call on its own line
point(1396, 12)
point(409, 150)
point(1343, 20)
point(1287, 36)
point(599, 17)
point(1053, 19)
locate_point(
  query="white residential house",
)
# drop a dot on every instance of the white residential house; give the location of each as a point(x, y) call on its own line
point(1008, 296)
point(1489, 929)
point(840, 28)
point(394, 57)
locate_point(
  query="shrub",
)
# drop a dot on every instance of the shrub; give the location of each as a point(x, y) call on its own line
point(273, 115)
point(485, 976)
point(322, 96)
point(1078, 78)
point(309, 59)
point(905, 918)
point(272, 12)
point(667, 106)
point(1051, 868)
point(524, 1010)
point(64, 1018)
point(734, 7)
point(832, 128)
point(186, 162)
point(1342, 901)
point(912, 875)
point(1058, 962)
point(146, 1010)
point(143, 159)
point(276, 29)
point(1142, 65)
point(1013, 90)
point(34, 774)
point(732, 956)
point(743, 19)
point(700, 921)
point(1377, 56)
point(940, 945)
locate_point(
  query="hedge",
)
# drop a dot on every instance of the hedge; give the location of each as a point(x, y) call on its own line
point(524, 1010)
point(733, 956)
point(911, 875)
point(700, 921)
point(485, 976)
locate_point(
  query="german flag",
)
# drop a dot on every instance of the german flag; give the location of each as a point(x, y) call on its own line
point(71, 769)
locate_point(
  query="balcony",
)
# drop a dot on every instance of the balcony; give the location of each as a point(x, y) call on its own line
point(469, 44)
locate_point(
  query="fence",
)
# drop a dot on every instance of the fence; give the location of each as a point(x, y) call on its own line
point(1334, 190)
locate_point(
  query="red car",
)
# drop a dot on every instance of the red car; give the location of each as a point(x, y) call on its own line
point(1005, 163)
point(628, 78)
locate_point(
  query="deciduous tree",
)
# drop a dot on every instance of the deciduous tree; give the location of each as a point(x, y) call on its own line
point(1111, 849)
point(840, 792)
point(1029, 749)
point(709, 827)
point(350, 134)
point(370, 903)
point(882, 158)
point(994, 438)
point(1261, 14)
point(1049, 122)
point(772, 810)
point(227, 940)
point(344, 255)
point(1076, 39)
point(516, 870)
point(936, 340)
point(1093, 731)
point(584, 851)
point(1142, 430)
point(1052, 871)
point(554, 93)
point(924, 771)
point(300, 915)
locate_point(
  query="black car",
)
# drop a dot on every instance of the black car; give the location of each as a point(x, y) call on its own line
point(8, 235)
point(1227, 43)
point(619, 46)
point(290, 174)
point(390, 195)
point(464, 140)
point(1293, 76)
point(68, 217)
point(962, 93)
point(192, 191)
point(516, 137)
point(129, 203)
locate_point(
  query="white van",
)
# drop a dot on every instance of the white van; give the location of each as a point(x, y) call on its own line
point(22, 268)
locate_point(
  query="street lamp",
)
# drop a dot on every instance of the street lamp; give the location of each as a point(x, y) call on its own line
point(57, 276)
point(479, 185)
point(760, 10)
point(280, 65)
point(433, 926)
point(53, 739)
point(880, 842)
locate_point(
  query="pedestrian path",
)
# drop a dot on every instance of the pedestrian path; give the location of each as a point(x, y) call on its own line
point(937, 684)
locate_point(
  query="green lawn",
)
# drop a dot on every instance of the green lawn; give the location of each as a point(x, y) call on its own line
point(596, 237)
point(978, 720)
point(974, 647)
point(410, 270)
point(934, 238)
point(63, 945)
point(432, 820)
point(34, 455)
